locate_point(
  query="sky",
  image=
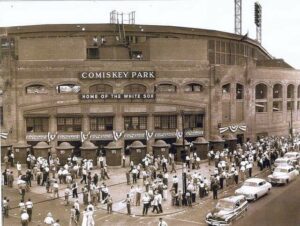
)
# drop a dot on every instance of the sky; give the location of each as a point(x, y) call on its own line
point(280, 19)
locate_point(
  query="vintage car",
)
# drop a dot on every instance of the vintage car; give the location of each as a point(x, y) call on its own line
point(254, 188)
point(282, 161)
point(227, 210)
point(294, 157)
point(283, 175)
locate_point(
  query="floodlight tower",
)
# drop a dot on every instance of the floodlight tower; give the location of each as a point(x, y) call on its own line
point(238, 17)
point(258, 20)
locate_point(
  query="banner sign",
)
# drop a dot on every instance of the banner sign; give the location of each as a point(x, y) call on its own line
point(87, 75)
point(117, 96)
point(233, 128)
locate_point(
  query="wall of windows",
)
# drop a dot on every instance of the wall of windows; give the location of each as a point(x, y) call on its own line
point(37, 124)
point(193, 121)
point(165, 122)
point(101, 123)
point(69, 124)
point(231, 52)
point(135, 122)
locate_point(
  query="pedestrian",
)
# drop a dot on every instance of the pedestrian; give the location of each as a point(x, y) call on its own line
point(24, 218)
point(74, 190)
point(128, 204)
point(128, 177)
point(173, 168)
point(5, 177)
point(29, 206)
point(109, 203)
point(49, 219)
point(106, 172)
point(236, 177)
point(146, 203)
point(77, 209)
point(73, 219)
point(215, 188)
point(162, 222)
point(67, 195)
point(19, 168)
point(10, 179)
point(175, 183)
point(5, 206)
point(138, 194)
point(55, 189)
point(155, 204)
point(123, 160)
point(22, 206)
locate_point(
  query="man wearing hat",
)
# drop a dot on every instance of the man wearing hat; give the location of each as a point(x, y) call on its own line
point(24, 218)
point(49, 219)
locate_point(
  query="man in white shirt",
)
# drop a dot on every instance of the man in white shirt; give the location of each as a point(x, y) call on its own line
point(49, 219)
point(19, 168)
point(29, 206)
point(162, 222)
point(24, 218)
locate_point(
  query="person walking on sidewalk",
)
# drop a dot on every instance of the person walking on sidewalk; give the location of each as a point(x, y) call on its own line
point(162, 222)
point(24, 218)
point(109, 204)
point(128, 204)
point(29, 206)
point(215, 187)
point(146, 203)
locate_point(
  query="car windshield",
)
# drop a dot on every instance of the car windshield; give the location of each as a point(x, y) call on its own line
point(251, 184)
point(281, 161)
point(289, 155)
point(223, 204)
point(280, 170)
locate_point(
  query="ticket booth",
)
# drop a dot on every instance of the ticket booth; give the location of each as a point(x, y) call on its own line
point(230, 142)
point(201, 147)
point(160, 148)
point(64, 151)
point(113, 154)
point(21, 149)
point(216, 143)
point(42, 149)
point(180, 153)
point(89, 151)
point(137, 151)
point(5, 149)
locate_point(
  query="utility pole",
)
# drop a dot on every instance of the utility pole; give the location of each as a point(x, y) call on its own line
point(183, 156)
point(291, 132)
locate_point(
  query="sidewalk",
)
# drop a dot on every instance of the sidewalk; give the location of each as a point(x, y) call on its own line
point(118, 189)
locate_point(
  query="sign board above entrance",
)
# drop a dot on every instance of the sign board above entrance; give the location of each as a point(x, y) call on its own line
point(117, 96)
point(86, 75)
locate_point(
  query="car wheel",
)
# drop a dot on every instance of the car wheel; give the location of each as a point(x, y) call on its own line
point(287, 181)
point(255, 197)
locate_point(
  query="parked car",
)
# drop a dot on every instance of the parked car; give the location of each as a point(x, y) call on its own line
point(283, 175)
point(227, 210)
point(294, 157)
point(254, 188)
point(282, 161)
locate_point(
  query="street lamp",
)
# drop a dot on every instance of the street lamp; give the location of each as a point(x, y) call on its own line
point(183, 155)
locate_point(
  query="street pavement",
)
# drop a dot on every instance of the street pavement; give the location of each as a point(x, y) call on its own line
point(44, 203)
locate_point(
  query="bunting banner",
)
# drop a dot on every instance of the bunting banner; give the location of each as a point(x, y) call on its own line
point(233, 128)
point(4, 135)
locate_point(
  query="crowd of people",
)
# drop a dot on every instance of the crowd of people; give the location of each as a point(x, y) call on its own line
point(151, 183)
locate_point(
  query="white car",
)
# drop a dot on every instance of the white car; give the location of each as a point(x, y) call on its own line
point(254, 188)
point(283, 175)
point(227, 210)
point(294, 157)
point(282, 162)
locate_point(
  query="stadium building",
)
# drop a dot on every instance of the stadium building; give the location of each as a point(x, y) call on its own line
point(136, 88)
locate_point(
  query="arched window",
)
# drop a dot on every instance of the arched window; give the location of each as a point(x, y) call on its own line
point(36, 89)
point(239, 91)
point(101, 88)
point(277, 91)
point(135, 88)
point(261, 91)
point(193, 87)
point(226, 88)
point(290, 91)
point(68, 88)
point(165, 88)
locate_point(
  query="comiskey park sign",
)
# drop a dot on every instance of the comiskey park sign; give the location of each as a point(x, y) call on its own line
point(87, 75)
point(103, 75)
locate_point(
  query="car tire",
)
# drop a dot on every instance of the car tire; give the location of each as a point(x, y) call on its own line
point(287, 181)
point(255, 197)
